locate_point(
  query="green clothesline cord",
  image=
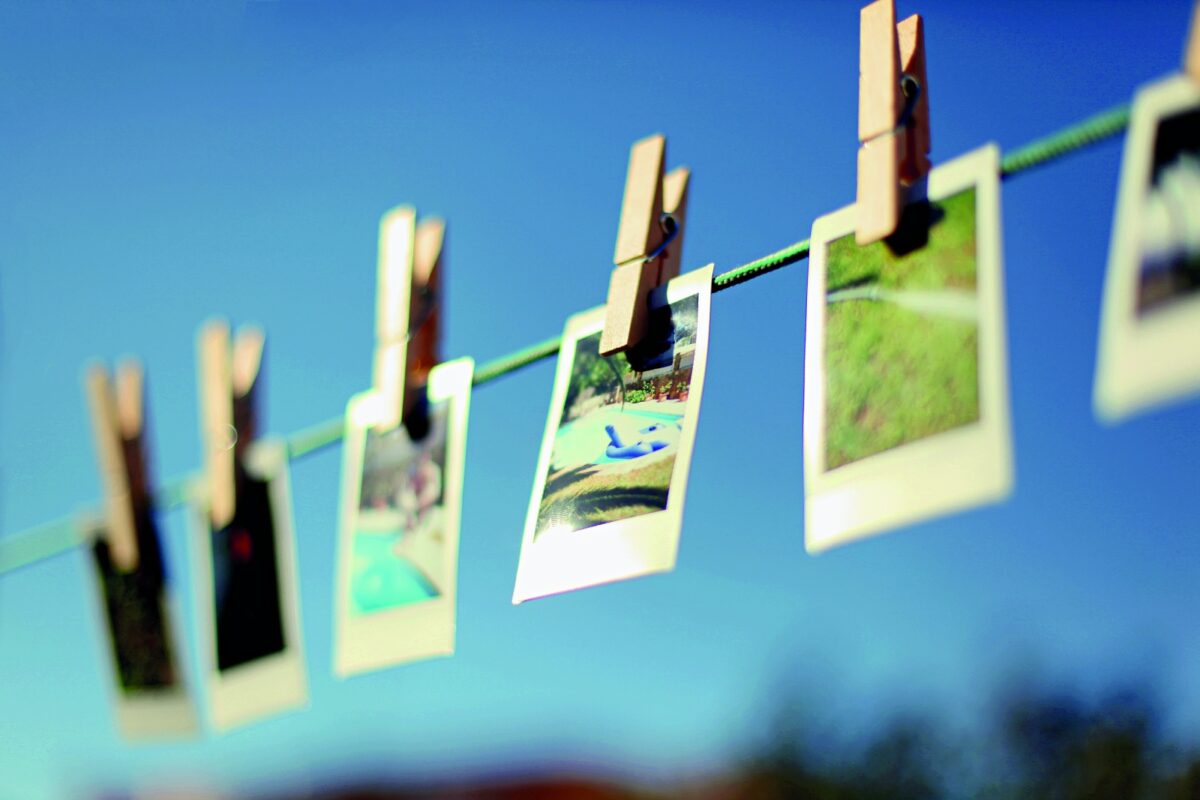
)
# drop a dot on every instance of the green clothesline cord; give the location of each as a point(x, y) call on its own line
point(60, 535)
point(1094, 129)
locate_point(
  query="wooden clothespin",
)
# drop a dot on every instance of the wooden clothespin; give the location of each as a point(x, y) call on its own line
point(118, 422)
point(894, 145)
point(407, 322)
point(1191, 53)
point(643, 263)
point(228, 417)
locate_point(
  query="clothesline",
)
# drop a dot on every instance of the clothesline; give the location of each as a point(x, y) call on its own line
point(60, 535)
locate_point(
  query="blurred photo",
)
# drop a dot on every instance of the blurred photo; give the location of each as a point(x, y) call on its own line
point(1152, 288)
point(247, 601)
point(135, 610)
point(246, 579)
point(151, 698)
point(1170, 228)
point(400, 532)
point(397, 558)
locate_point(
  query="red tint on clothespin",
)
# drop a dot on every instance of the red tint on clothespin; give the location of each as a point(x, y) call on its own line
point(118, 421)
point(914, 156)
point(1191, 53)
point(424, 311)
point(889, 156)
point(641, 234)
point(228, 414)
point(407, 320)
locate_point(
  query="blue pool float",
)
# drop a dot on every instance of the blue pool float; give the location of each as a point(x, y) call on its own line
point(642, 448)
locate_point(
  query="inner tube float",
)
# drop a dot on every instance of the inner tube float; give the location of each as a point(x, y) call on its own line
point(617, 449)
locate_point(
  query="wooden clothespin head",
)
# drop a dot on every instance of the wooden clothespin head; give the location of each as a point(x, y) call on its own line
point(893, 117)
point(118, 423)
point(649, 242)
point(228, 413)
point(407, 324)
point(1191, 53)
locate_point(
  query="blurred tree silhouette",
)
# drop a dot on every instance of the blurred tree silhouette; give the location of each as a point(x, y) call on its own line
point(1070, 752)
point(1045, 744)
point(1040, 743)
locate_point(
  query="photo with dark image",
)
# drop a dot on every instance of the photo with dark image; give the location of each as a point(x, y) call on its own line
point(618, 434)
point(135, 610)
point(901, 333)
point(249, 616)
point(1169, 234)
point(398, 546)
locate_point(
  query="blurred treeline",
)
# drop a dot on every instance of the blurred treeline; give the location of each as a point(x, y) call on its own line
point(1036, 742)
point(1039, 742)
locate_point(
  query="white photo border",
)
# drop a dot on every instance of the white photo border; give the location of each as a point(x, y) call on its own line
point(945, 472)
point(626, 548)
point(277, 682)
point(1143, 363)
point(394, 636)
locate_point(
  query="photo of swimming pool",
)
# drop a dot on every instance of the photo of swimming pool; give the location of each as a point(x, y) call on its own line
point(608, 496)
point(380, 578)
point(619, 428)
point(397, 551)
point(398, 548)
point(586, 440)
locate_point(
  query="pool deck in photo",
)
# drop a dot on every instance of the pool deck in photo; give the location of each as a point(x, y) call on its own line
point(588, 487)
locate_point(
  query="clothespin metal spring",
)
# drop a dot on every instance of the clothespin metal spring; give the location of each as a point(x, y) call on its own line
point(910, 87)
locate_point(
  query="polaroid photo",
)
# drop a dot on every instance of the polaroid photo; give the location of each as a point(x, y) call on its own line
point(1151, 317)
point(247, 601)
point(397, 563)
point(906, 409)
point(136, 612)
point(607, 502)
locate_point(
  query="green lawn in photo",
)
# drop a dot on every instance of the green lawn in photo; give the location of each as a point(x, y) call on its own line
point(901, 337)
point(591, 495)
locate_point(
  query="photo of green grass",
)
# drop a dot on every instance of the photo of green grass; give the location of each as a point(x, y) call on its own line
point(620, 426)
point(901, 333)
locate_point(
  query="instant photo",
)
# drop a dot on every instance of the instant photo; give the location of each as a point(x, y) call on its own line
point(607, 502)
point(906, 391)
point(398, 537)
point(1151, 317)
point(135, 612)
point(247, 596)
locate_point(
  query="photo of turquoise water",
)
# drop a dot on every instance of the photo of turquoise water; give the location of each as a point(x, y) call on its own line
point(382, 579)
point(398, 547)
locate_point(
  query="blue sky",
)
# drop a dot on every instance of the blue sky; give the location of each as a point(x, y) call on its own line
point(163, 163)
